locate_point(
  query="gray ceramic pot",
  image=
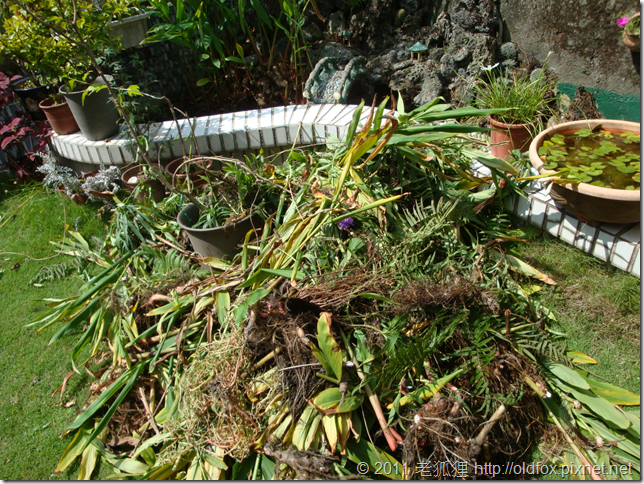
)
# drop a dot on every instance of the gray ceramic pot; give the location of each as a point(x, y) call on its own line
point(97, 117)
point(219, 241)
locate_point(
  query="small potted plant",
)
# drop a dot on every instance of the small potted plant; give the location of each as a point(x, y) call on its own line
point(227, 214)
point(22, 141)
point(528, 100)
point(631, 32)
point(62, 178)
point(139, 180)
point(103, 184)
point(59, 115)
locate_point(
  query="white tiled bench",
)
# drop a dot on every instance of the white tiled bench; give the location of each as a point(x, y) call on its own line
point(218, 134)
point(243, 132)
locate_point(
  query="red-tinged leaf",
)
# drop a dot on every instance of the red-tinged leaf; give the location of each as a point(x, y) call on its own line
point(15, 122)
point(15, 78)
point(7, 141)
point(24, 131)
point(5, 129)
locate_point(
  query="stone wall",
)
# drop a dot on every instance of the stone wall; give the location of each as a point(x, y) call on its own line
point(583, 37)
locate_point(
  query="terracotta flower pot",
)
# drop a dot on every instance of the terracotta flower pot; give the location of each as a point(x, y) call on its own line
point(157, 188)
point(632, 41)
point(60, 117)
point(176, 170)
point(508, 137)
point(590, 202)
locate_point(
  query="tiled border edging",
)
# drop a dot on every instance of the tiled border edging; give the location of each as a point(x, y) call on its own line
point(284, 126)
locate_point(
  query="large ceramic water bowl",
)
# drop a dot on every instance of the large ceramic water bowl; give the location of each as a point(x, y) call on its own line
point(588, 202)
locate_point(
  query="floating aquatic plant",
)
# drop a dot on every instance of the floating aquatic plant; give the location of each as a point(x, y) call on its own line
point(602, 158)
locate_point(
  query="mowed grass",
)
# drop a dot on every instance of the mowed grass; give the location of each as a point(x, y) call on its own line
point(597, 307)
point(31, 421)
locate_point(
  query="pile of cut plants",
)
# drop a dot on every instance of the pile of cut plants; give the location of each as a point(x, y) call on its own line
point(377, 324)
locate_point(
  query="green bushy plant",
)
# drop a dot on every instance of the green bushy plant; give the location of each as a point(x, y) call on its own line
point(48, 57)
point(529, 98)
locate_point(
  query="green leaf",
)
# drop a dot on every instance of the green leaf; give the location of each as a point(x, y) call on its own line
point(203, 81)
point(400, 105)
point(75, 447)
point(380, 462)
point(520, 266)
point(600, 406)
point(223, 306)
point(490, 161)
point(329, 353)
point(612, 393)
point(580, 358)
point(331, 397)
point(567, 375)
point(428, 390)
point(256, 296)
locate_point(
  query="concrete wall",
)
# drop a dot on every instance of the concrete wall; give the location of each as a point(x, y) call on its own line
point(583, 36)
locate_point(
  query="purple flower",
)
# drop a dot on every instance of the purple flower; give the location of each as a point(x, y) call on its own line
point(346, 224)
point(622, 21)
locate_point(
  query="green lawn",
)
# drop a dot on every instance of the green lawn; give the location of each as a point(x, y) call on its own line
point(598, 307)
point(31, 420)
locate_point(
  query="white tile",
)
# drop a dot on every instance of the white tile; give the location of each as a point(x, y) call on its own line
point(633, 234)
point(280, 136)
point(114, 154)
point(613, 228)
point(163, 133)
point(297, 115)
point(311, 114)
point(269, 137)
point(320, 133)
point(226, 123)
point(200, 126)
point(568, 229)
point(523, 208)
point(214, 143)
point(241, 139)
point(603, 245)
point(553, 221)
point(265, 118)
point(637, 265)
point(252, 120)
point(277, 116)
point(128, 153)
point(214, 125)
point(538, 213)
point(294, 134)
point(331, 114)
point(254, 139)
point(345, 117)
point(542, 195)
point(288, 113)
point(622, 254)
point(75, 152)
point(228, 141)
point(342, 132)
point(103, 155)
point(585, 236)
point(306, 134)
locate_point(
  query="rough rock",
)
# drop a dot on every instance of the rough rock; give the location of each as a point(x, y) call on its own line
point(479, 16)
point(410, 5)
point(430, 89)
point(335, 22)
point(312, 33)
point(400, 17)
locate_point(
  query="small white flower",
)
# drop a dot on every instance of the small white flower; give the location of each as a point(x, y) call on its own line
point(489, 67)
point(417, 419)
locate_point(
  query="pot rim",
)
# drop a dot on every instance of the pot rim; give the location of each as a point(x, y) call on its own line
point(50, 104)
point(501, 124)
point(213, 229)
point(586, 188)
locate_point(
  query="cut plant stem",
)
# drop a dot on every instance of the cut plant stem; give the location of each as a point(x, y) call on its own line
point(393, 437)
